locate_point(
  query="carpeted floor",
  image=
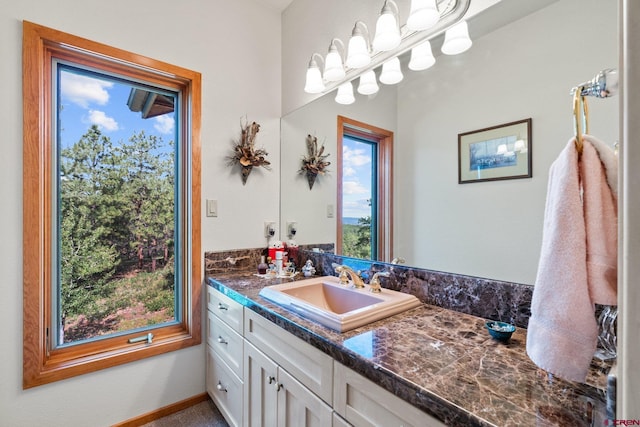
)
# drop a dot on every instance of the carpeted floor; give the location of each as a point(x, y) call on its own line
point(204, 414)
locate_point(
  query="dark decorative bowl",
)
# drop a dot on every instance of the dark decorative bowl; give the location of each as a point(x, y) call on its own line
point(500, 330)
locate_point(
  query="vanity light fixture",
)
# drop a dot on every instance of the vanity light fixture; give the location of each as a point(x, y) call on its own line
point(387, 28)
point(358, 53)
point(368, 83)
point(345, 94)
point(424, 14)
point(333, 66)
point(391, 72)
point(456, 39)
point(314, 83)
point(421, 57)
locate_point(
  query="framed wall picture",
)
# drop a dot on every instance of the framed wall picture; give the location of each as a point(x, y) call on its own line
point(495, 153)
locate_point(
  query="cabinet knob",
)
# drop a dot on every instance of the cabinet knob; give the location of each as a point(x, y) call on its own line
point(279, 386)
point(221, 387)
point(222, 340)
point(271, 379)
point(222, 306)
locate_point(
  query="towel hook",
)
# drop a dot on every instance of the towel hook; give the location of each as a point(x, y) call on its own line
point(580, 117)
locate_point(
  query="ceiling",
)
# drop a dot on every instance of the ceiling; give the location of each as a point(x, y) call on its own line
point(278, 4)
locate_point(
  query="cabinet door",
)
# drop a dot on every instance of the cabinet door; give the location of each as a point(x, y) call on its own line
point(307, 364)
point(299, 407)
point(260, 392)
point(363, 403)
point(225, 389)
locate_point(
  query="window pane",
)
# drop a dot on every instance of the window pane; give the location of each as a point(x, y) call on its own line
point(116, 204)
point(359, 222)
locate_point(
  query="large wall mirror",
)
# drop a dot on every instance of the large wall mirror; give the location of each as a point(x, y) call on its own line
point(526, 57)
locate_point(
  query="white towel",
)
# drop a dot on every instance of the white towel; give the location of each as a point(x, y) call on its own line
point(577, 265)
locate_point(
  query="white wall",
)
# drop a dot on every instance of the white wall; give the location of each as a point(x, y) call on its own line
point(493, 229)
point(236, 47)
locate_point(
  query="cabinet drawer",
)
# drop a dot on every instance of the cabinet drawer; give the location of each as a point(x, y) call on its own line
point(225, 308)
point(225, 389)
point(226, 342)
point(363, 403)
point(310, 366)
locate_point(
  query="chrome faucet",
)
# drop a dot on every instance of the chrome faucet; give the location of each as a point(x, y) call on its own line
point(345, 272)
point(374, 284)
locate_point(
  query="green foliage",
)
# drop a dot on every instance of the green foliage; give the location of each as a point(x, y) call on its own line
point(116, 206)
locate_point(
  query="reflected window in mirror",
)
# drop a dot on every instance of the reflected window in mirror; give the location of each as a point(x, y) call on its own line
point(364, 226)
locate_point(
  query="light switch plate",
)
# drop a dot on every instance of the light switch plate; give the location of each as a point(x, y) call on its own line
point(212, 208)
point(329, 211)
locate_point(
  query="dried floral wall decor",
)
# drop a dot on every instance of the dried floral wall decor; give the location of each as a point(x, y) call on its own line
point(245, 152)
point(314, 162)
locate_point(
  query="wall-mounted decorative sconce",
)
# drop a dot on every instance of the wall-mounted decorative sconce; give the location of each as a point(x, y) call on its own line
point(387, 28)
point(345, 94)
point(359, 52)
point(423, 15)
point(314, 83)
point(421, 57)
point(456, 39)
point(333, 66)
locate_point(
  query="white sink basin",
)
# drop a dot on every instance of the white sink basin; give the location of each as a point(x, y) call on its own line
point(339, 307)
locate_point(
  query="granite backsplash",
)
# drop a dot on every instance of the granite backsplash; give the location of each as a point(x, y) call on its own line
point(485, 298)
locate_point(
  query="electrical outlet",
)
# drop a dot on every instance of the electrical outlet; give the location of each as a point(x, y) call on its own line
point(292, 229)
point(269, 229)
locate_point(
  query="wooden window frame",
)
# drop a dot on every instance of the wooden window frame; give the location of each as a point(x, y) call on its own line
point(43, 364)
point(384, 139)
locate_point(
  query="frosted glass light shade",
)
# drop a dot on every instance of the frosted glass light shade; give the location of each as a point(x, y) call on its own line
point(358, 52)
point(391, 72)
point(368, 83)
point(333, 68)
point(424, 14)
point(421, 57)
point(456, 39)
point(345, 94)
point(314, 83)
point(387, 29)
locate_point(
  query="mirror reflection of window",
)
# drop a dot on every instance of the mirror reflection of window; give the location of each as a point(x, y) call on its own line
point(364, 226)
point(359, 178)
point(116, 161)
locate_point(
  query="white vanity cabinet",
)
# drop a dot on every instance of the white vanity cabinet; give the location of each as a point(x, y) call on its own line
point(362, 403)
point(225, 355)
point(274, 398)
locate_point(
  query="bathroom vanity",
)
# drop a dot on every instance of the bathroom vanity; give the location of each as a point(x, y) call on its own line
point(427, 366)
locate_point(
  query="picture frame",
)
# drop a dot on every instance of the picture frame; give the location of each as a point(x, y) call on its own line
point(495, 153)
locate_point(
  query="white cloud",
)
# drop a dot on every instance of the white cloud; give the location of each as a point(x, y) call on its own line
point(353, 187)
point(164, 123)
point(99, 118)
point(348, 171)
point(83, 90)
point(354, 158)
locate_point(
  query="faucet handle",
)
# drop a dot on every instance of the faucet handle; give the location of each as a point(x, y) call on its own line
point(374, 284)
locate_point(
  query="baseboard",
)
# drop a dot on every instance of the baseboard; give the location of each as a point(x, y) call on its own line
point(163, 412)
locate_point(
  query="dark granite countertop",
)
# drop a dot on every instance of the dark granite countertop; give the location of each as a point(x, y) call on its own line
point(443, 362)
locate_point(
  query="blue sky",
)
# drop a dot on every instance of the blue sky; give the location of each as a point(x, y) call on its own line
point(87, 101)
point(356, 178)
